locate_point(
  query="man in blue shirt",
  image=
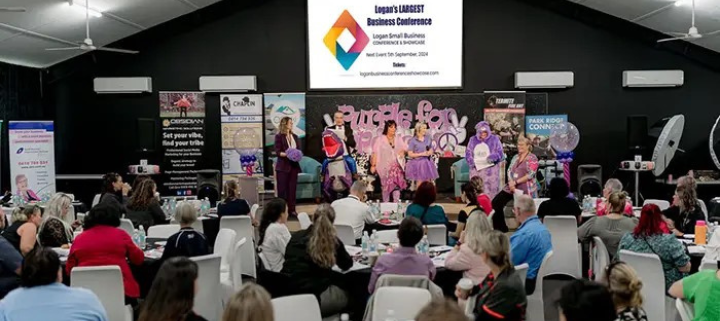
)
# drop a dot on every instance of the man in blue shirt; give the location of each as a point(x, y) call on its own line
point(43, 296)
point(530, 242)
point(10, 262)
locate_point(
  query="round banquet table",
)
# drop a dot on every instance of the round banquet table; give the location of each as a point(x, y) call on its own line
point(144, 274)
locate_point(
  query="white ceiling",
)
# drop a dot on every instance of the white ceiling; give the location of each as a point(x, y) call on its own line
point(664, 16)
point(47, 19)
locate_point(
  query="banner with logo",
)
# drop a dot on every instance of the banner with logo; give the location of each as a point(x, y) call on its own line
point(32, 158)
point(241, 119)
point(279, 106)
point(538, 130)
point(183, 141)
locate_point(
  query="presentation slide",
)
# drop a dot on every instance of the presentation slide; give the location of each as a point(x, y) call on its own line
point(385, 44)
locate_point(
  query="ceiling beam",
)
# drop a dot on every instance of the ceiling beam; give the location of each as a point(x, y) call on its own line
point(125, 21)
point(654, 12)
point(190, 4)
point(35, 34)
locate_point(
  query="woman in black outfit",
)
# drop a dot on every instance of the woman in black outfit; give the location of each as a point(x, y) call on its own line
point(560, 202)
point(685, 211)
point(144, 208)
point(232, 204)
point(173, 292)
point(114, 191)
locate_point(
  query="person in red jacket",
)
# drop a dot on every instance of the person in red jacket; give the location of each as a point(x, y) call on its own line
point(103, 243)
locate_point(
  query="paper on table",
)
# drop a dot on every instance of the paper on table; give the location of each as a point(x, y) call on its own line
point(356, 266)
point(686, 241)
point(441, 248)
point(689, 236)
point(696, 249)
point(353, 250)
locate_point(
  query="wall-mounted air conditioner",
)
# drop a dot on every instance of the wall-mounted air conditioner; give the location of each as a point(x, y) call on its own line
point(228, 83)
point(544, 79)
point(123, 85)
point(653, 78)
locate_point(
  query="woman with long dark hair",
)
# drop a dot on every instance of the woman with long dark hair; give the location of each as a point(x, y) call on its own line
point(521, 178)
point(310, 257)
point(144, 208)
point(114, 191)
point(286, 169)
point(387, 158)
point(172, 295)
point(685, 210)
point(274, 235)
point(470, 198)
point(232, 204)
point(424, 208)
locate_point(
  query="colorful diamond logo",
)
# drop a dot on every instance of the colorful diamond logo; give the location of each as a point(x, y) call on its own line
point(346, 22)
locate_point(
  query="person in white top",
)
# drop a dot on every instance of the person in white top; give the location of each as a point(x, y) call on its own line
point(352, 210)
point(274, 234)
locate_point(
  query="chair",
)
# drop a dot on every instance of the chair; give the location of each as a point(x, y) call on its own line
point(650, 271)
point(437, 234)
point(164, 231)
point(303, 307)
point(708, 265)
point(80, 217)
point(308, 179)
point(231, 281)
point(387, 236)
point(522, 271)
point(600, 259)
point(566, 257)
point(703, 207)
point(305, 221)
point(242, 225)
point(127, 225)
point(107, 283)
point(198, 225)
point(253, 211)
point(96, 200)
point(263, 260)
point(460, 172)
point(207, 299)
point(345, 233)
point(223, 247)
point(539, 201)
point(405, 302)
point(662, 204)
point(535, 303)
point(685, 309)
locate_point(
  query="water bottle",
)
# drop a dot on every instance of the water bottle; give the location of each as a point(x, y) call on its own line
point(390, 316)
point(365, 243)
point(173, 204)
point(141, 237)
point(207, 206)
point(136, 238)
point(373, 241)
point(344, 317)
point(424, 245)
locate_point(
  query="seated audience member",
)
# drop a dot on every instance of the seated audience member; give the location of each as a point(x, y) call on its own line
point(353, 211)
point(584, 300)
point(483, 200)
point(54, 230)
point(274, 234)
point(251, 303)
point(501, 295)
point(702, 289)
point(114, 192)
point(625, 285)
point(103, 243)
point(10, 264)
point(467, 255)
point(22, 233)
point(309, 258)
point(469, 197)
point(612, 185)
point(649, 238)
point(423, 207)
point(137, 181)
point(187, 242)
point(441, 310)
point(685, 211)
point(560, 202)
point(531, 241)
point(144, 208)
point(611, 227)
point(44, 297)
point(404, 260)
point(232, 204)
point(172, 294)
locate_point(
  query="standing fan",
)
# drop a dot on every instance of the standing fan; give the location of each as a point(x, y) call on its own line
point(692, 34)
point(667, 143)
point(713, 140)
point(87, 44)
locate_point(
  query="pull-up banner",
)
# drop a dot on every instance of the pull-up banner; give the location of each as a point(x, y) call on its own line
point(32, 158)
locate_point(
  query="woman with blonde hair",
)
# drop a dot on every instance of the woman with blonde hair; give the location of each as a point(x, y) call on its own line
point(502, 292)
point(611, 227)
point(287, 167)
point(54, 230)
point(309, 258)
point(625, 285)
point(466, 255)
point(420, 168)
point(251, 303)
point(521, 179)
point(232, 204)
point(22, 233)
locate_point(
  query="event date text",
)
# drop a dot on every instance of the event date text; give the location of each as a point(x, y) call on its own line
point(397, 54)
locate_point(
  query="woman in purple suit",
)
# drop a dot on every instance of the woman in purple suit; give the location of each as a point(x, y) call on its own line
point(286, 169)
point(420, 168)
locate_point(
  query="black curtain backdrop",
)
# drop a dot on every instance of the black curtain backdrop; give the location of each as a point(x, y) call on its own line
point(96, 133)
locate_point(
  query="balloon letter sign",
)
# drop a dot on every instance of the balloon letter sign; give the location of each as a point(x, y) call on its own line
point(564, 138)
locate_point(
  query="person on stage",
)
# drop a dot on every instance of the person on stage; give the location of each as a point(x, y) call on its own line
point(388, 160)
point(286, 169)
point(420, 168)
point(521, 178)
point(483, 154)
point(345, 133)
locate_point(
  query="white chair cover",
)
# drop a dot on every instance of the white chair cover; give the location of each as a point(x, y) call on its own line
point(242, 225)
point(685, 309)
point(163, 231)
point(535, 302)
point(127, 225)
point(708, 265)
point(650, 271)
point(437, 234)
point(224, 247)
point(305, 221)
point(662, 204)
point(405, 302)
point(303, 307)
point(387, 236)
point(107, 283)
point(96, 200)
point(600, 259)
point(522, 271)
point(566, 255)
point(208, 302)
point(345, 233)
